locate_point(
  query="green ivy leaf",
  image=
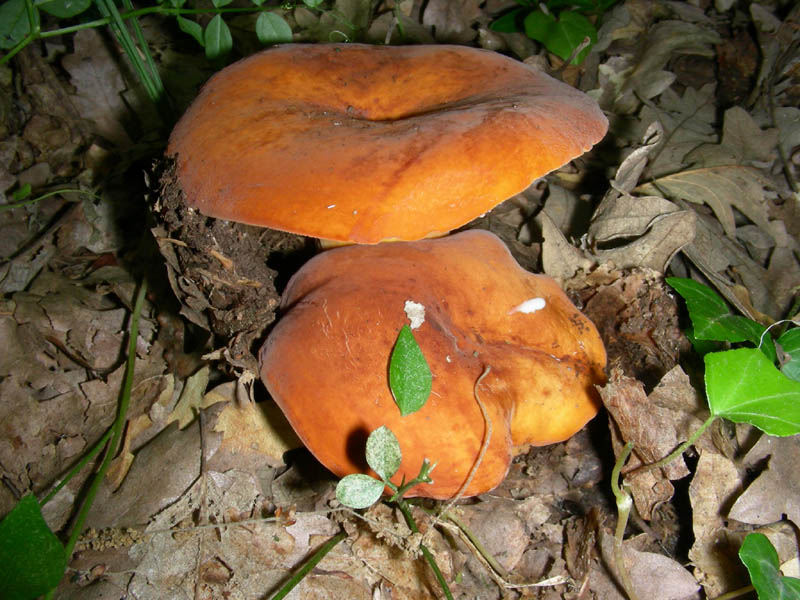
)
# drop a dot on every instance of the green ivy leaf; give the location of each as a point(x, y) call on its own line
point(761, 560)
point(383, 452)
point(410, 376)
point(273, 29)
point(561, 36)
point(217, 37)
point(32, 560)
point(14, 23)
point(744, 386)
point(712, 320)
point(359, 490)
point(193, 28)
point(509, 22)
point(790, 344)
point(64, 9)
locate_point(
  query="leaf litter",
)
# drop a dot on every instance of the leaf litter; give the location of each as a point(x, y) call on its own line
point(697, 183)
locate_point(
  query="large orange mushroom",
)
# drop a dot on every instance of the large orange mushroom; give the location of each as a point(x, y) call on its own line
point(357, 143)
point(325, 363)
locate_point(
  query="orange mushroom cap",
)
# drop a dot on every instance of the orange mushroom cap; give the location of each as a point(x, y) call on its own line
point(326, 361)
point(358, 143)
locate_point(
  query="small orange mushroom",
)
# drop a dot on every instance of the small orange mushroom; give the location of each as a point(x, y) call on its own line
point(325, 363)
point(361, 144)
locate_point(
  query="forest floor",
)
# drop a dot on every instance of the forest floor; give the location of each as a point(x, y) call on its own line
point(211, 495)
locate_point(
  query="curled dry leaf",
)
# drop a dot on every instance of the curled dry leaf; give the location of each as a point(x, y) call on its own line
point(653, 576)
point(666, 235)
point(656, 424)
point(722, 188)
point(715, 485)
point(715, 255)
point(776, 491)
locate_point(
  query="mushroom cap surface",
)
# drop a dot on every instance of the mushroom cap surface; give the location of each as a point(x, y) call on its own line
point(325, 363)
point(359, 143)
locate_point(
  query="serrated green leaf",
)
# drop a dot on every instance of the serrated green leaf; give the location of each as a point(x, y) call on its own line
point(64, 9)
point(217, 38)
point(32, 560)
point(383, 452)
point(193, 28)
point(359, 490)
point(790, 344)
point(273, 29)
point(14, 23)
point(761, 560)
point(712, 319)
point(561, 36)
point(744, 386)
point(410, 376)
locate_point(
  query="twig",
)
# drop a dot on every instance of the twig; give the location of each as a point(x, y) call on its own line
point(484, 447)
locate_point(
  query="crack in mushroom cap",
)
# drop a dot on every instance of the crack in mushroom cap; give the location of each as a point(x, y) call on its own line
point(358, 143)
point(325, 363)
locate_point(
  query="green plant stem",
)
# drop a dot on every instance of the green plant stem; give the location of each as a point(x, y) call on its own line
point(736, 593)
point(116, 428)
point(677, 452)
point(412, 524)
point(130, 14)
point(624, 504)
point(310, 564)
point(81, 463)
point(13, 205)
point(36, 33)
point(148, 57)
point(488, 557)
point(108, 8)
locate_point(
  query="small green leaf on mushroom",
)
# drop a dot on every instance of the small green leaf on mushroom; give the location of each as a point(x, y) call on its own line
point(410, 377)
point(383, 452)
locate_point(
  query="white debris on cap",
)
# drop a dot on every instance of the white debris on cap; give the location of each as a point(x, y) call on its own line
point(529, 306)
point(415, 313)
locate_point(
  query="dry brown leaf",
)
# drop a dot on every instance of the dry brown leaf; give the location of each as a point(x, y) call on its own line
point(452, 20)
point(776, 491)
point(98, 82)
point(252, 430)
point(653, 576)
point(627, 216)
point(172, 564)
point(656, 424)
point(714, 554)
point(642, 77)
point(743, 143)
point(688, 121)
point(560, 259)
point(172, 459)
point(668, 233)
point(192, 399)
point(716, 256)
point(722, 188)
